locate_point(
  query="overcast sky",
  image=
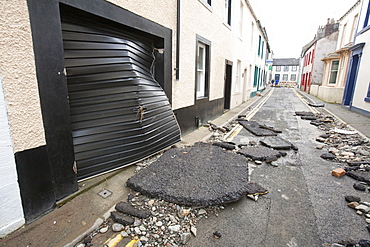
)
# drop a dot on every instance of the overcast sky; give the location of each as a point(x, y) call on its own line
point(291, 24)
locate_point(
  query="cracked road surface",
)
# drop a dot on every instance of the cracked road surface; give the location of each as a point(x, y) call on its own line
point(305, 205)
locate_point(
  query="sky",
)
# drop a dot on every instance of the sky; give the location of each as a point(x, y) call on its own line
point(291, 24)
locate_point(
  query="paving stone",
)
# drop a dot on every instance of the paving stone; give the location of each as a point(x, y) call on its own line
point(260, 153)
point(276, 142)
point(255, 128)
point(200, 168)
point(127, 208)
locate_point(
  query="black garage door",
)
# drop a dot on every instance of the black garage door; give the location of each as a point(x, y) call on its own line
point(119, 113)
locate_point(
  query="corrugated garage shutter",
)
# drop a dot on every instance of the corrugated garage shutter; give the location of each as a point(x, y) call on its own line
point(119, 113)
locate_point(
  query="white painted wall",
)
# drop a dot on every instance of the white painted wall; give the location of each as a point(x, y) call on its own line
point(11, 213)
point(363, 76)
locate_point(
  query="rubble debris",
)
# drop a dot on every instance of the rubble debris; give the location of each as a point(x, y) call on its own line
point(309, 117)
point(263, 126)
point(338, 172)
point(343, 132)
point(260, 153)
point(200, 168)
point(256, 129)
point(362, 176)
point(316, 104)
point(364, 243)
point(304, 113)
point(276, 142)
point(328, 156)
point(359, 186)
point(348, 242)
point(225, 145)
point(217, 234)
point(255, 189)
point(352, 198)
point(353, 204)
point(121, 218)
point(127, 208)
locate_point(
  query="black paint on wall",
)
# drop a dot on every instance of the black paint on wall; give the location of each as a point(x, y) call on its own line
point(192, 117)
point(34, 178)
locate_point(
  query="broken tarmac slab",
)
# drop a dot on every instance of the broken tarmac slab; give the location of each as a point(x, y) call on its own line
point(201, 175)
point(276, 142)
point(260, 153)
point(304, 113)
point(362, 176)
point(256, 129)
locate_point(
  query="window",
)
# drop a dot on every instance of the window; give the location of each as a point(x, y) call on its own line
point(207, 4)
point(294, 68)
point(228, 12)
point(293, 77)
point(286, 68)
point(202, 76)
point(285, 77)
point(366, 22)
point(238, 76)
point(255, 76)
point(278, 68)
point(241, 16)
point(262, 49)
point(333, 71)
point(259, 45)
point(367, 98)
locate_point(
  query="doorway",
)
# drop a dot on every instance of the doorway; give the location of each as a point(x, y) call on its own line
point(228, 81)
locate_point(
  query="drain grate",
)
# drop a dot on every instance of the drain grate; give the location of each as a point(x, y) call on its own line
point(105, 193)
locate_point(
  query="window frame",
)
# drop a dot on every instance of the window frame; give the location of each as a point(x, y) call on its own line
point(286, 68)
point(294, 68)
point(202, 90)
point(331, 71)
point(291, 77)
point(285, 77)
point(278, 68)
point(207, 4)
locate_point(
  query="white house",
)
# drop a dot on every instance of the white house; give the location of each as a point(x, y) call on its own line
point(357, 90)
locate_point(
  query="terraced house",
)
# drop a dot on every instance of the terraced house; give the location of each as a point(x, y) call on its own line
point(89, 86)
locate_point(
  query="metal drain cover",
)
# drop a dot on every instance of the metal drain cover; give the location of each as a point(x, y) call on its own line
point(105, 193)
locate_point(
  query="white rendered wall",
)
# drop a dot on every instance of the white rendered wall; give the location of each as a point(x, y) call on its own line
point(11, 213)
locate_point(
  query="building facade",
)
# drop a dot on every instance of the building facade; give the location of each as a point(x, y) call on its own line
point(336, 64)
point(312, 69)
point(285, 72)
point(84, 80)
point(357, 89)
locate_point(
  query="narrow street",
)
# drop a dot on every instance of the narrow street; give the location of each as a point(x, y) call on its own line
point(305, 205)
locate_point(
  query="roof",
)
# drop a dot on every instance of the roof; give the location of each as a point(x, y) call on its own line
point(285, 61)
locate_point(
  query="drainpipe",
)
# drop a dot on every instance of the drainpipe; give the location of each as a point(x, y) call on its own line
point(178, 42)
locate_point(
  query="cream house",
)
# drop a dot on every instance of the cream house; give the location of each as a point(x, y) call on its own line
point(336, 63)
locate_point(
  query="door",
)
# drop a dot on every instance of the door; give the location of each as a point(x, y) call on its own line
point(351, 81)
point(227, 87)
point(119, 113)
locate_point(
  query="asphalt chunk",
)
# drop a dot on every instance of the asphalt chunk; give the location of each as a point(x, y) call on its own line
point(202, 175)
point(260, 153)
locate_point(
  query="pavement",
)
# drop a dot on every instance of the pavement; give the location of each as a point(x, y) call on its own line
point(82, 212)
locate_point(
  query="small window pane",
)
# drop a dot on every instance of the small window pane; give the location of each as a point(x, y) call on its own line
point(285, 77)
